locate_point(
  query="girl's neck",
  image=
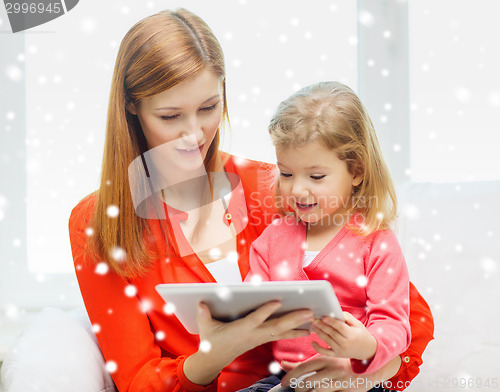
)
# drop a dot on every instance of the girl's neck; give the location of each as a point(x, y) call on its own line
point(322, 232)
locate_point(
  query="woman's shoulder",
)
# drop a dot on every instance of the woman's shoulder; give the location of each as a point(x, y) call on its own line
point(248, 167)
point(82, 213)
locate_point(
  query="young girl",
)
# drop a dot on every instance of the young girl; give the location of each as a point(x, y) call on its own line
point(340, 201)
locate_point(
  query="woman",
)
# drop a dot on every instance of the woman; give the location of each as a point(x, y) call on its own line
point(166, 108)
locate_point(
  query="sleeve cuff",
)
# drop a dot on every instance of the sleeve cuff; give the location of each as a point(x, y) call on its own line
point(397, 384)
point(190, 386)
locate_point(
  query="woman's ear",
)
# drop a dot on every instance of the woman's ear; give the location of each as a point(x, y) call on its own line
point(131, 108)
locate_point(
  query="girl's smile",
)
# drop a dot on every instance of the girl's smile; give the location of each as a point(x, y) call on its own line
point(314, 182)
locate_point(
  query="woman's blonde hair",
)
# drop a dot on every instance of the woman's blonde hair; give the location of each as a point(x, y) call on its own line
point(157, 53)
point(332, 113)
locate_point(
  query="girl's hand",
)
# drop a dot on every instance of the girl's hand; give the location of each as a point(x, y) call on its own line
point(221, 343)
point(349, 339)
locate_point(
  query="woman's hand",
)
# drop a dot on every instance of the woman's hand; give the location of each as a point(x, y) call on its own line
point(349, 339)
point(221, 343)
point(330, 374)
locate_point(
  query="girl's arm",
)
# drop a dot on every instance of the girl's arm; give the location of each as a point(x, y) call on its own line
point(399, 372)
point(387, 291)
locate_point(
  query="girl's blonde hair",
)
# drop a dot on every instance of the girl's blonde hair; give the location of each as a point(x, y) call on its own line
point(332, 113)
point(157, 53)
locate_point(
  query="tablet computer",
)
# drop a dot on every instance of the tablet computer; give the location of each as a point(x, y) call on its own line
point(230, 302)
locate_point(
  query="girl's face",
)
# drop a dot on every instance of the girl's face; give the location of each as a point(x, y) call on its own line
point(184, 119)
point(314, 182)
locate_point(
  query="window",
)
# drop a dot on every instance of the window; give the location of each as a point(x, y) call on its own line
point(454, 90)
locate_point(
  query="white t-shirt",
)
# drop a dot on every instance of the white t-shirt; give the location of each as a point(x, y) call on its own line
point(309, 256)
point(225, 271)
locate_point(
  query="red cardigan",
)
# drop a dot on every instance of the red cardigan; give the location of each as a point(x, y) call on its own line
point(149, 346)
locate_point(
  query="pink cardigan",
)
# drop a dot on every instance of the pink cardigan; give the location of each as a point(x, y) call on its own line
point(369, 276)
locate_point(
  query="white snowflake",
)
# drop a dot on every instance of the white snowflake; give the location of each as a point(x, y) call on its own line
point(11, 311)
point(366, 18)
point(353, 40)
point(146, 305)
point(118, 254)
point(130, 290)
point(494, 99)
point(462, 94)
point(10, 115)
point(274, 367)
point(111, 366)
point(169, 308)
point(14, 73)
point(102, 268)
point(112, 211)
point(96, 328)
point(284, 269)
point(362, 281)
point(160, 335)
point(214, 253)
point(88, 25)
point(224, 293)
point(411, 211)
point(205, 346)
point(489, 265)
point(89, 231)
point(256, 279)
point(233, 257)
point(283, 38)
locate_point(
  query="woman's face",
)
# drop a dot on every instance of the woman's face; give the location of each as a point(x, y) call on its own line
point(184, 118)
